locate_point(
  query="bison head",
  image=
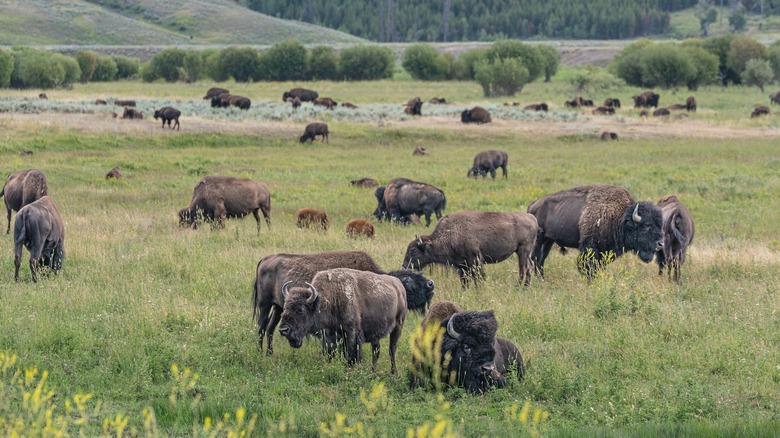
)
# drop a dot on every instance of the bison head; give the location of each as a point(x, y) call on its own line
point(465, 116)
point(285, 96)
point(642, 229)
point(476, 172)
point(298, 318)
point(418, 253)
point(419, 290)
point(470, 342)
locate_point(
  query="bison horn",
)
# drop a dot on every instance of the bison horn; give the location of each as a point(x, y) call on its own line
point(419, 239)
point(284, 289)
point(314, 294)
point(636, 216)
point(451, 329)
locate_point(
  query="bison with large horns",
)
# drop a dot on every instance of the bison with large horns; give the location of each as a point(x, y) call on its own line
point(596, 219)
point(469, 239)
point(402, 197)
point(22, 188)
point(220, 197)
point(678, 230)
point(39, 228)
point(346, 306)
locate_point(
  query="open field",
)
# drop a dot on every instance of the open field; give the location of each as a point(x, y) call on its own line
point(628, 354)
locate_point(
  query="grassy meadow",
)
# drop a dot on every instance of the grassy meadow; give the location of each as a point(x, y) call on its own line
point(628, 354)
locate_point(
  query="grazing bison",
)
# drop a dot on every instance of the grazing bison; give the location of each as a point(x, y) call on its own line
point(774, 98)
point(301, 93)
point(414, 107)
point(660, 112)
point(475, 115)
point(349, 105)
point(612, 102)
point(22, 188)
point(347, 305)
point(438, 101)
point(295, 101)
point(25, 152)
point(168, 113)
point(536, 107)
point(132, 113)
point(220, 197)
point(678, 230)
point(403, 197)
point(311, 217)
point(100, 102)
point(646, 100)
point(124, 102)
point(214, 92)
point(312, 130)
point(690, 104)
point(604, 111)
point(43, 96)
point(360, 227)
point(596, 219)
point(114, 173)
point(38, 227)
point(489, 161)
point(419, 151)
point(759, 111)
point(365, 183)
point(327, 102)
point(607, 136)
point(469, 239)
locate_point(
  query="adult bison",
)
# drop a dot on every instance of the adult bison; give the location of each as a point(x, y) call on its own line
point(214, 92)
point(612, 102)
point(646, 100)
point(596, 219)
point(22, 188)
point(225, 100)
point(125, 102)
point(312, 130)
point(759, 111)
point(469, 239)
point(537, 107)
point(438, 101)
point(168, 114)
point(604, 111)
point(346, 305)
point(220, 197)
point(132, 113)
point(38, 227)
point(274, 270)
point(414, 107)
point(403, 197)
point(661, 112)
point(678, 231)
point(114, 173)
point(690, 104)
point(327, 102)
point(475, 115)
point(301, 93)
point(489, 161)
point(609, 136)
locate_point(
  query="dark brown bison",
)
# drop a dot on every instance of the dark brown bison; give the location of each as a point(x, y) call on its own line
point(132, 113)
point(643, 113)
point(439, 311)
point(660, 112)
point(646, 100)
point(214, 92)
point(295, 101)
point(365, 183)
point(419, 151)
point(311, 218)
point(759, 111)
point(612, 102)
point(312, 130)
point(536, 107)
point(574, 103)
point(301, 93)
point(349, 105)
point(608, 136)
point(774, 98)
point(676, 106)
point(327, 102)
point(438, 101)
point(403, 197)
point(22, 188)
point(25, 152)
point(43, 96)
point(511, 103)
point(489, 161)
point(470, 239)
point(596, 219)
point(114, 173)
point(414, 107)
point(225, 100)
point(100, 102)
point(167, 114)
point(347, 306)
point(38, 227)
point(124, 102)
point(690, 104)
point(360, 227)
point(678, 231)
point(475, 115)
point(218, 197)
point(604, 111)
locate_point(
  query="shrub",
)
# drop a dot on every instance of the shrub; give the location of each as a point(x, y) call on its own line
point(446, 64)
point(285, 61)
point(464, 66)
point(420, 61)
point(105, 70)
point(593, 79)
point(666, 66)
point(365, 63)
point(165, 65)
point(501, 77)
point(323, 63)
point(741, 50)
point(126, 67)
point(193, 66)
point(706, 65)
point(240, 63)
point(71, 68)
point(737, 20)
point(719, 46)
point(6, 67)
point(528, 56)
point(757, 72)
point(647, 64)
point(87, 60)
point(212, 67)
point(551, 60)
point(33, 68)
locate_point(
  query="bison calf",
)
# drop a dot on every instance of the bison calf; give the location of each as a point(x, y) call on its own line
point(360, 227)
point(327, 102)
point(114, 173)
point(760, 111)
point(311, 217)
point(678, 230)
point(38, 227)
point(168, 114)
point(132, 113)
point(313, 130)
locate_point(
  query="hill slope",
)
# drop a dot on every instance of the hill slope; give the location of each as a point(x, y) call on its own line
point(142, 22)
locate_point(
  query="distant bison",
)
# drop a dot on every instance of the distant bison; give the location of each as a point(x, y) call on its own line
point(403, 197)
point(489, 161)
point(536, 107)
point(124, 102)
point(365, 183)
point(114, 173)
point(220, 197)
point(774, 98)
point(132, 113)
point(475, 115)
point(295, 101)
point(301, 93)
point(311, 218)
point(22, 188)
point(214, 92)
point(360, 227)
point(414, 107)
point(168, 114)
point(607, 136)
point(678, 231)
point(676, 106)
point(225, 100)
point(327, 102)
point(43, 96)
point(100, 102)
point(646, 100)
point(612, 102)
point(438, 101)
point(760, 111)
point(349, 105)
point(312, 130)
point(419, 151)
point(660, 112)
point(690, 103)
point(604, 111)
point(39, 228)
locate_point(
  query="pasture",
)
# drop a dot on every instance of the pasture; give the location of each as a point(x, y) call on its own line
point(629, 353)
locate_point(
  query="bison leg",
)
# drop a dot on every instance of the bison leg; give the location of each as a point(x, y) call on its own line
point(541, 251)
point(177, 124)
point(17, 263)
point(503, 168)
point(524, 266)
point(395, 335)
point(661, 260)
point(276, 315)
point(374, 355)
point(257, 219)
point(267, 215)
point(354, 344)
point(676, 263)
point(492, 172)
point(7, 207)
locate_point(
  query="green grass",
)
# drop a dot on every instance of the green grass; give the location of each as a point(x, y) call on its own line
point(628, 354)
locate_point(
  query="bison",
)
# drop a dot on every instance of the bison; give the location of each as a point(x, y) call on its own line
point(124, 102)
point(537, 107)
point(402, 197)
point(612, 102)
point(604, 111)
point(469, 239)
point(414, 107)
point(167, 114)
point(225, 100)
point(132, 113)
point(38, 227)
point(43, 96)
point(690, 104)
point(220, 197)
point(327, 102)
point(438, 101)
point(301, 93)
point(678, 231)
point(311, 217)
point(489, 161)
point(349, 105)
point(759, 111)
point(100, 102)
point(347, 305)
point(312, 130)
point(646, 100)
point(475, 115)
point(608, 136)
point(419, 151)
point(295, 102)
point(360, 227)
point(596, 219)
point(365, 183)
point(114, 173)
point(214, 92)
point(660, 112)
point(774, 98)
point(22, 188)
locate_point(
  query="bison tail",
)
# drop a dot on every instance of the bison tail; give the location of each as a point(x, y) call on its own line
point(677, 234)
point(563, 249)
point(256, 298)
point(443, 201)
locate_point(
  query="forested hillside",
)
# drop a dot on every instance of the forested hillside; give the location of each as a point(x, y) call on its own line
point(464, 20)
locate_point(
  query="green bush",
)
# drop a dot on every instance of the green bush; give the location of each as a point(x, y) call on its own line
point(551, 60)
point(647, 64)
point(420, 60)
point(323, 63)
point(211, 66)
point(365, 63)
point(106, 69)
point(528, 56)
point(501, 77)
point(741, 50)
point(193, 66)
point(38, 69)
point(87, 60)
point(666, 66)
point(464, 66)
point(706, 66)
point(240, 63)
point(446, 64)
point(593, 79)
point(6, 67)
point(719, 46)
point(126, 67)
point(165, 65)
point(285, 61)
point(757, 72)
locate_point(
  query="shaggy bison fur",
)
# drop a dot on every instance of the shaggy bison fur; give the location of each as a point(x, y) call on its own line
point(22, 188)
point(475, 115)
point(311, 218)
point(218, 197)
point(39, 228)
point(360, 227)
point(312, 130)
point(168, 114)
point(489, 161)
